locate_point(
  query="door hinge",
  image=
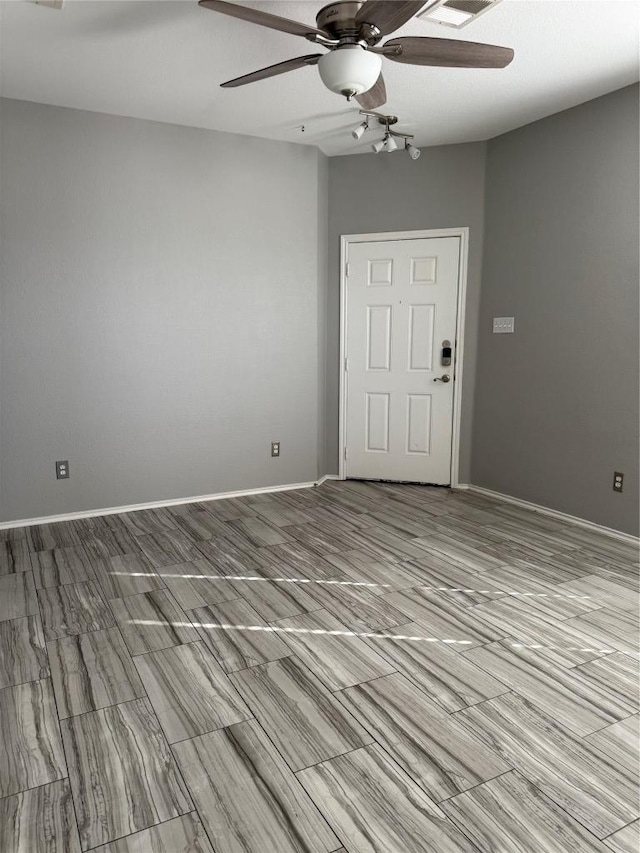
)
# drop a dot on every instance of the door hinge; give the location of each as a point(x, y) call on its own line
point(345, 453)
point(346, 270)
point(346, 365)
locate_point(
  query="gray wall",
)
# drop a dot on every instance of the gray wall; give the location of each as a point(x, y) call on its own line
point(159, 310)
point(557, 402)
point(391, 192)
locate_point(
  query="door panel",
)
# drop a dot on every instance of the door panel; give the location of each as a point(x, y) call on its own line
point(401, 307)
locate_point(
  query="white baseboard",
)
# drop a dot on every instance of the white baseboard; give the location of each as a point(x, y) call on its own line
point(114, 510)
point(220, 496)
point(553, 513)
point(326, 477)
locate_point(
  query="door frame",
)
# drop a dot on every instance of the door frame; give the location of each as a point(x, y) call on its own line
point(345, 241)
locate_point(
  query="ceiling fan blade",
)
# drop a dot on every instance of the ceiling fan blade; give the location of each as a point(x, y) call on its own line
point(388, 15)
point(448, 53)
point(375, 97)
point(264, 19)
point(273, 70)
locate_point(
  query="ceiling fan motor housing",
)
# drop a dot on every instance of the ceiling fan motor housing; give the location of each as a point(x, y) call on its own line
point(349, 70)
point(339, 19)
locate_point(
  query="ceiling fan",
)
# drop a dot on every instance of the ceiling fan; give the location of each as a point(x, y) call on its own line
point(351, 32)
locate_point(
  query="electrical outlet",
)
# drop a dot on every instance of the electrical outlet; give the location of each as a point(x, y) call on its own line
point(62, 470)
point(503, 325)
point(275, 448)
point(618, 480)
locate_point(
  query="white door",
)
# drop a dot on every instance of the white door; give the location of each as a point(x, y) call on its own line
point(401, 303)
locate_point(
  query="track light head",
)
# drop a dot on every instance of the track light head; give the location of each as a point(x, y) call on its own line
point(378, 146)
point(359, 130)
point(391, 144)
point(412, 151)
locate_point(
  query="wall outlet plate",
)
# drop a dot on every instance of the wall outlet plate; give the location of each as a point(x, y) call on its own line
point(618, 481)
point(275, 448)
point(62, 470)
point(503, 325)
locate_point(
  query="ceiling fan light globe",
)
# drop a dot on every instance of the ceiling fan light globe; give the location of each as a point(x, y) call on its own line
point(349, 70)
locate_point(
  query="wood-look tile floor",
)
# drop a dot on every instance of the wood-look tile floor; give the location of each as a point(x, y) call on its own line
point(355, 668)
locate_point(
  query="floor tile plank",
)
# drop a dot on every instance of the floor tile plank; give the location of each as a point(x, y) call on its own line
point(446, 676)
point(123, 776)
point(227, 559)
point(446, 576)
point(357, 607)
point(30, 746)
point(617, 672)
point(43, 537)
point(338, 656)
point(469, 557)
point(625, 840)
point(509, 813)
point(197, 584)
point(14, 556)
point(380, 577)
point(275, 599)
point(247, 797)
point(384, 812)
point(620, 742)
point(17, 596)
point(125, 575)
point(151, 621)
point(514, 581)
point(23, 654)
point(429, 744)
point(92, 671)
point(168, 548)
point(184, 834)
point(149, 521)
point(237, 636)
point(561, 642)
point(260, 532)
point(566, 695)
point(61, 566)
point(617, 629)
point(568, 769)
point(305, 722)
point(443, 618)
point(40, 820)
point(189, 692)
point(294, 560)
point(603, 591)
point(73, 609)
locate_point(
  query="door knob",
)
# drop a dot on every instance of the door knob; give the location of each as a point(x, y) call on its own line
point(444, 378)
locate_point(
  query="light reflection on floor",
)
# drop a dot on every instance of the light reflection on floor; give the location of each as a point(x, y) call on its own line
point(378, 635)
point(161, 574)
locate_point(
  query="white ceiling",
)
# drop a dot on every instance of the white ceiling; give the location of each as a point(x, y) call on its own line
point(165, 60)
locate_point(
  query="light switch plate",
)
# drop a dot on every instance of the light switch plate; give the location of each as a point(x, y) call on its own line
point(503, 325)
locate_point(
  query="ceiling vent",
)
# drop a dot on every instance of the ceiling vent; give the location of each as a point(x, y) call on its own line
point(456, 13)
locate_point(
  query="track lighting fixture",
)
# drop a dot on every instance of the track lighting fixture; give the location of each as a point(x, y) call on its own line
point(389, 141)
point(360, 129)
